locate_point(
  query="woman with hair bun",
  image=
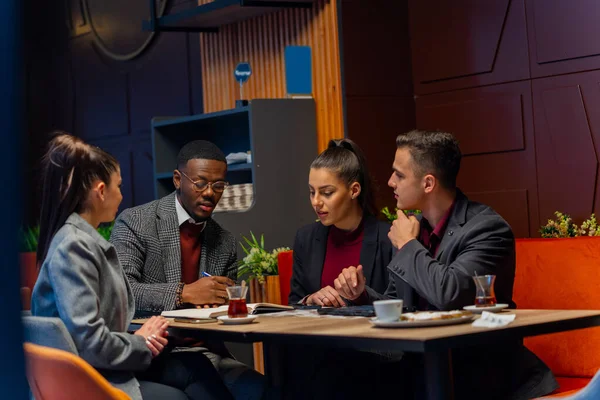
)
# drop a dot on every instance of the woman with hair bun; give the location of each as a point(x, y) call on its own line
point(347, 232)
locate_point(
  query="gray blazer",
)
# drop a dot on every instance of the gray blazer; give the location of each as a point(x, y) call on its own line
point(82, 283)
point(477, 239)
point(148, 244)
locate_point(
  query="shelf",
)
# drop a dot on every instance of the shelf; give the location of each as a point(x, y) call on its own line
point(239, 167)
point(191, 119)
point(209, 17)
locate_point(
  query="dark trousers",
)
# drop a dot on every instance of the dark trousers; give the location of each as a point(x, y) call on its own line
point(190, 372)
point(157, 391)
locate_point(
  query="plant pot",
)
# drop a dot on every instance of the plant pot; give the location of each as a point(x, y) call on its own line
point(267, 291)
point(285, 263)
point(29, 269)
point(29, 274)
point(263, 292)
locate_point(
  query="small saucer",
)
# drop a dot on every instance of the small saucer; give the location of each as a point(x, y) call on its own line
point(478, 310)
point(237, 321)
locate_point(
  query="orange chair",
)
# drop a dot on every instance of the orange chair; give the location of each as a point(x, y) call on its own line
point(562, 274)
point(59, 375)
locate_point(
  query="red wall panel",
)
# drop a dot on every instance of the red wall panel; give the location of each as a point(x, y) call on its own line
point(494, 126)
point(466, 43)
point(476, 134)
point(563, 36)
point(377, 80)
point(567, 132)
point(513, 203)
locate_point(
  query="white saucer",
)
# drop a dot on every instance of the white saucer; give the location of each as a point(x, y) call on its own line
point(478, 310)
point(423, 323)
point(237, 321)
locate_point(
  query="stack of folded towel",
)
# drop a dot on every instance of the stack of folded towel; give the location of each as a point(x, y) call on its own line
point(236, 198)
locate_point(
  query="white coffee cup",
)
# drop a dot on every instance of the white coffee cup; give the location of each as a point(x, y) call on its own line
point(388, 310)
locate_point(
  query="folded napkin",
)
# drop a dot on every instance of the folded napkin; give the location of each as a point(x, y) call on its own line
point(235, 158)
point(491, 320)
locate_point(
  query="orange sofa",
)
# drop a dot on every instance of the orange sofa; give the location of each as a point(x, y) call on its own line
point(562, 274)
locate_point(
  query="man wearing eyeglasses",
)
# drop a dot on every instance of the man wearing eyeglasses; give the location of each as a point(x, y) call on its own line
point(175, 255)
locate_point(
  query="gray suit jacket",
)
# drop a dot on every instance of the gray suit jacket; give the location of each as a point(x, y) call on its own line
point(148, 244)
point(477, 239)
point(82, 283)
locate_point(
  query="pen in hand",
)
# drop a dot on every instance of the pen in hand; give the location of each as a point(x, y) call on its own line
point(205, 274)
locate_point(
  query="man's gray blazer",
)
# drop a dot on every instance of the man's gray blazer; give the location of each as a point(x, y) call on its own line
point(82, 283)
point(148, 244)
point(477, 240)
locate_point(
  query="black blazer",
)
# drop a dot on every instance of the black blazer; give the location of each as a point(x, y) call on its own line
point(309, 256)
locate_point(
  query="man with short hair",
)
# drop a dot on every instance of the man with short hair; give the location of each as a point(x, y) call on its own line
point(167, 245)
point(439, 252)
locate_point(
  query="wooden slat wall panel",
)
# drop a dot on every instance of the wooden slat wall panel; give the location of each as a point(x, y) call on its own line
point(261, 41)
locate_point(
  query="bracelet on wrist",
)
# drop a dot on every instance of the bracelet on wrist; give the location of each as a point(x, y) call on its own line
point(179, 295)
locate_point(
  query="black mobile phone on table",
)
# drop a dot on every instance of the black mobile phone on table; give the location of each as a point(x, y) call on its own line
point(298, 306)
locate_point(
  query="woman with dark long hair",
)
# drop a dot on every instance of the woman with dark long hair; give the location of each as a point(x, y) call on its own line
point(347, 233)
point(82, 282)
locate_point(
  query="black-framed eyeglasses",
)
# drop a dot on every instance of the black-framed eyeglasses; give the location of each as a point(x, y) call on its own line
point(202, 185)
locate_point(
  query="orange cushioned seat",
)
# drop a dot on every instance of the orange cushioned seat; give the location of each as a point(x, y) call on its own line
point(562, 274)
point(59, 375)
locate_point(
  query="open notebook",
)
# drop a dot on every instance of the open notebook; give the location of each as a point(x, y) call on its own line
point(200, 313)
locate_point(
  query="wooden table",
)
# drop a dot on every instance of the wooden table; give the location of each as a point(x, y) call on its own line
point(435, 343)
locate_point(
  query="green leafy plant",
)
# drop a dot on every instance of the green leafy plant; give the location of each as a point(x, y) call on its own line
point(258, 262)
point(28, 239)
point(391, 217)
point(563, 227)
point(105, 230)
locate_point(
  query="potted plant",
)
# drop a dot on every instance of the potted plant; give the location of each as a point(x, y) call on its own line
point(106, 229)
point(563, 227)
point(28, 244)
point(259, 266)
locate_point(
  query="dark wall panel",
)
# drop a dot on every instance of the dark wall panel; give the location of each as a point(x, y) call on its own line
point(567, 130)
point(100, 93)
point(513, 203)
point(494, 126)
point(154, 92)
point(563, 36)
point(467, 43)
point(377, 81)
point(77, 86)
point(495, 123)
point(135, 157)
point(376, 48)
point(374, 125)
